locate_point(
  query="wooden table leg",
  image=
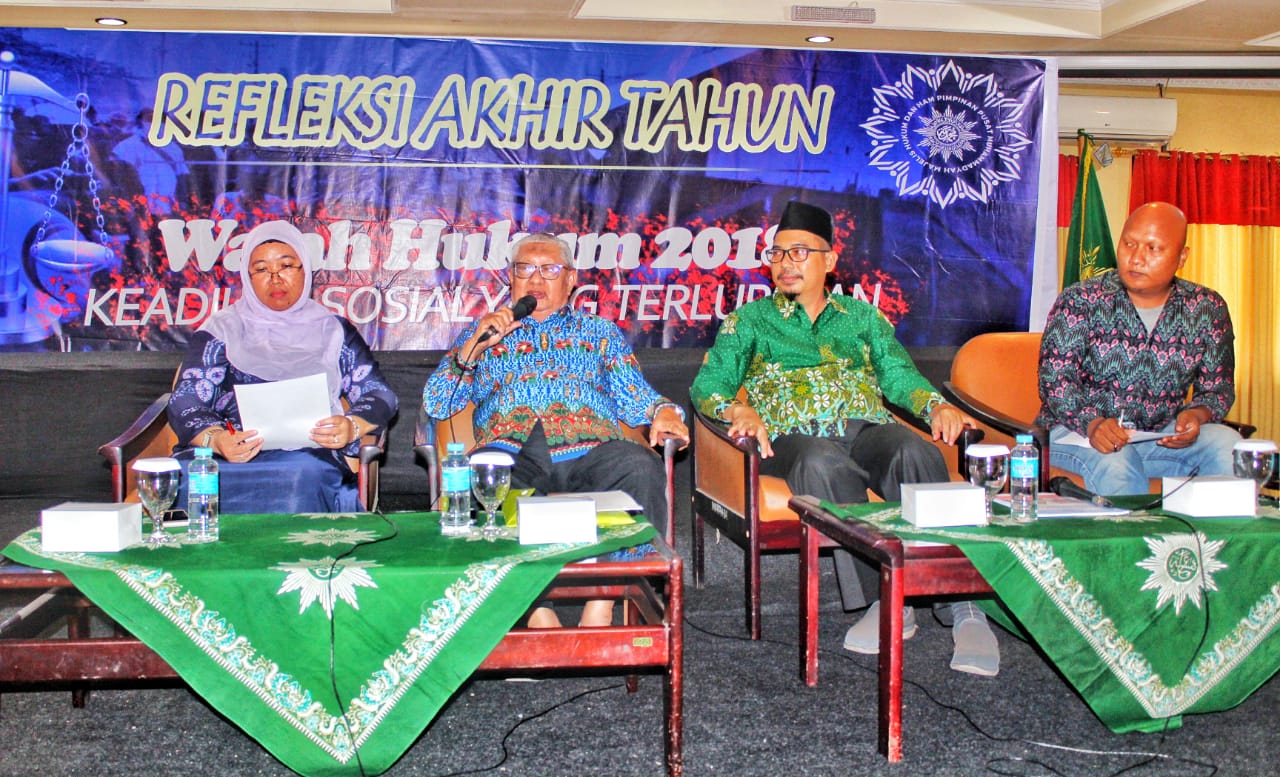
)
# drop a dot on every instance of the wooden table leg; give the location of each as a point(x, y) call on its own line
point(675, 670)
point(809, 605)
point(890, 734)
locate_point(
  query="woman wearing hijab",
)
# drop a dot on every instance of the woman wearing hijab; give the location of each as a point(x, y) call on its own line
point(275, 331)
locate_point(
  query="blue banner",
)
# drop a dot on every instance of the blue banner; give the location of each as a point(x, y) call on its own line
point(140, 160)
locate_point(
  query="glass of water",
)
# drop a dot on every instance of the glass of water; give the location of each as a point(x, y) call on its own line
point(158, 480)
point(1254, 460)
point(490, 482)
point(988, 468)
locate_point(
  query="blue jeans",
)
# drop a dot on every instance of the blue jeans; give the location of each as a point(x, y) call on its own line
point(1128, 470)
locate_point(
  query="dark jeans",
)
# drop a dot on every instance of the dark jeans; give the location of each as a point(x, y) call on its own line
point(840, 469)
point(620, 465)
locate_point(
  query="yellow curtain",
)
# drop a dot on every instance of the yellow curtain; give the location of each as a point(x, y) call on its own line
point(1242, 263)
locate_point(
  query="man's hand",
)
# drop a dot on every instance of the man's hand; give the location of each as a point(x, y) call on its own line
point(501, 321)
point(1187, 427)
point(1106, 435)
point(666, 425)
point(745, 422)
point(947, 423)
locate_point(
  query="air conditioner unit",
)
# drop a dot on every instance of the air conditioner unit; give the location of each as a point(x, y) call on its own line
point(1122, 119)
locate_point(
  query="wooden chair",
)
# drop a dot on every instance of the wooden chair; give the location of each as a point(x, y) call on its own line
point(995, 378)
point(430, 441)
point(150, 435)
point(751, 509)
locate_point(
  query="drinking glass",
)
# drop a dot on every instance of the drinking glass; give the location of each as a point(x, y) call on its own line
point(988, 468)
point(1254, 459)
point(157, 488)
point(490, 482)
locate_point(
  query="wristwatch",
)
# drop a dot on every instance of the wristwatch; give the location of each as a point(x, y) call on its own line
point(206, 438)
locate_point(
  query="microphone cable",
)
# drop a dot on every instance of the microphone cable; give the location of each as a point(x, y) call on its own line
point(333, 621)
point(991, 764)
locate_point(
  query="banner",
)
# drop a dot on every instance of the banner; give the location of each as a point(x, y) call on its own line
point(140, 160)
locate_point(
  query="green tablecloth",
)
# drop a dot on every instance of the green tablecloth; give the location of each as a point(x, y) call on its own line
point(1120, 605)
point(247, 621)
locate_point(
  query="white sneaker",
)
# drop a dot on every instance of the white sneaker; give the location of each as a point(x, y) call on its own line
point(864, 636)
point(976, 650)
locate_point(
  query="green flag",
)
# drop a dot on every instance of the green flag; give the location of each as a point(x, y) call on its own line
point(1090, 251)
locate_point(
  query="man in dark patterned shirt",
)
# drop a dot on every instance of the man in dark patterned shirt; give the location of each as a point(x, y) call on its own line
point(1139, 349)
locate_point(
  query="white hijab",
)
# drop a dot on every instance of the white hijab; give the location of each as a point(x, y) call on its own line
point(280, 344)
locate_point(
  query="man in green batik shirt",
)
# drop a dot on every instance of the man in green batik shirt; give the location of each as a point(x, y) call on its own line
point(815, 366)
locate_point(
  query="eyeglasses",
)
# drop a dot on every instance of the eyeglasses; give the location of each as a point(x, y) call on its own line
point(283, 272)
point(549, 271)
point(797, 254)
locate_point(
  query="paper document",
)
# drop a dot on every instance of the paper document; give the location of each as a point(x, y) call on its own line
point(1054, 506)
point(608, 500)
point(1134, 436)
point(284, 411)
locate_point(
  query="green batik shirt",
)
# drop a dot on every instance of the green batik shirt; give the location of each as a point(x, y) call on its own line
point(810, 378)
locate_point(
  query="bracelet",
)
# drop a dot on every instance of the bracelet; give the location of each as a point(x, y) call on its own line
point(658, 408)
point(355, 428)
point(462, 367)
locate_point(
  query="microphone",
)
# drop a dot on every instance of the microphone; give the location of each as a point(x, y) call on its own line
point(523, 307)
point(1064, 486)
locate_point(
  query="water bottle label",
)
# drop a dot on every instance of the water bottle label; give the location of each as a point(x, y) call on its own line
point(204, 483)
point(1024, 468)
point(456, 479)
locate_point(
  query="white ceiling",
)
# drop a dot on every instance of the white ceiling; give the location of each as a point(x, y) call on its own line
point(961, 26)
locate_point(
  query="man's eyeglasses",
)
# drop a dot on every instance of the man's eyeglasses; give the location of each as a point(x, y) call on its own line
point(283, 272)
point(548, 271)
point(797, 254)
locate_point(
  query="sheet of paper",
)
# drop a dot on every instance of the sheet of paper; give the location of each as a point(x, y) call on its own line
point(1134, 436)
point(609, 500)
point(284, 411)
point(1054, 506)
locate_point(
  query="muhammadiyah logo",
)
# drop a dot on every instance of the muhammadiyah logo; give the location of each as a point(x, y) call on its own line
point(947, 134)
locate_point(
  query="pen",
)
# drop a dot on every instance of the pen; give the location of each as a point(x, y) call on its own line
point(230, 428)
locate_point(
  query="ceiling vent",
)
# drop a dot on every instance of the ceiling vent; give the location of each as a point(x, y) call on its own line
point(822, 14)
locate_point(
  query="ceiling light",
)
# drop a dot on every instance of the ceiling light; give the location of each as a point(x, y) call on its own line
point(110, 21)
point(819, 39)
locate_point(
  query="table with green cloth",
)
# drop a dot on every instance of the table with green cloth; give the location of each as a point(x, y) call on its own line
point(247, 621)
point(1148, 615)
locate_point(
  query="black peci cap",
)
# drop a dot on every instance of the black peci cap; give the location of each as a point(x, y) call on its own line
point(808, 218)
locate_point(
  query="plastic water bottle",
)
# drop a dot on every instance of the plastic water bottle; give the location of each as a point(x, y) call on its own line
point(202, 497)
point(1024, 479)
point(455, 501)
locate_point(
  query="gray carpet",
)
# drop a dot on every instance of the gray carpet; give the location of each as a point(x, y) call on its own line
point(746, 711)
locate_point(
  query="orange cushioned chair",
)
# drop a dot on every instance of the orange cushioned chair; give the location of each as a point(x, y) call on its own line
point(751, 509)
point(994, 378)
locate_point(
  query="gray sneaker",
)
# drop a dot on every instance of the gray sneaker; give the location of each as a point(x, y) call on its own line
point(864, 636)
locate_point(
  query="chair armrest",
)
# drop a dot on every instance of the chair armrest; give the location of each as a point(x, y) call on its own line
point(967, 437)
point(424, 446)
point(669, 448)
point(1002, 423)
point(372, 448)
point(144, 436)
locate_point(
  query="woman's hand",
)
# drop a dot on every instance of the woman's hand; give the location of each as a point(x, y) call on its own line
point(337, 431)
point(236, 446)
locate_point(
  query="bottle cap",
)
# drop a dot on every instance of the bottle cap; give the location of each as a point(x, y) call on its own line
point(1023, 438)
point(454, 447)
point(204, 452)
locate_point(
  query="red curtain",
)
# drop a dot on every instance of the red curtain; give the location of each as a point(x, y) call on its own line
point(1210, 188)
point(1068, 174)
